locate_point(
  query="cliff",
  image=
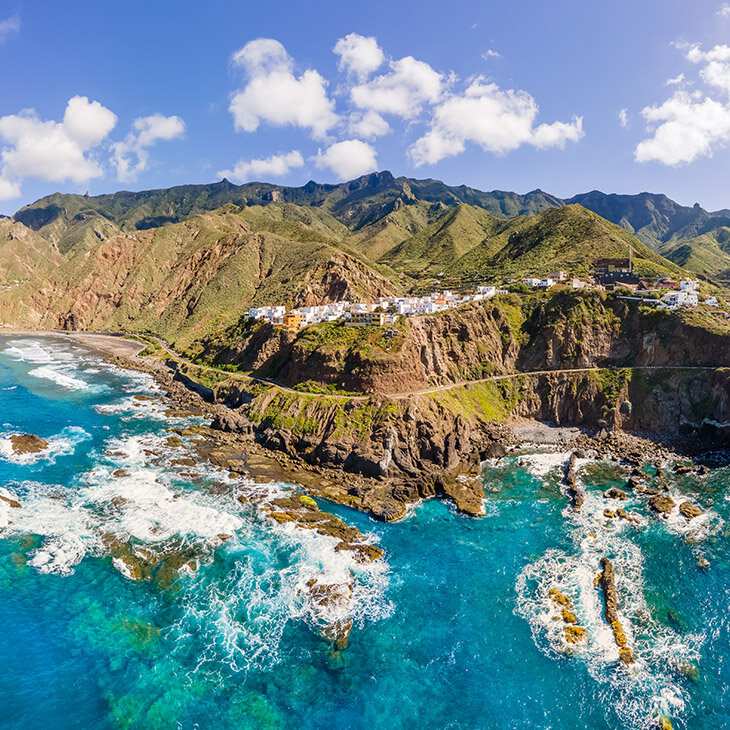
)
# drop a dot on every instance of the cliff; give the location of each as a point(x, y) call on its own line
point(419, 444)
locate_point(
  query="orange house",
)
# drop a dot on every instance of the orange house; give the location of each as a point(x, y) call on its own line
point(292, 321)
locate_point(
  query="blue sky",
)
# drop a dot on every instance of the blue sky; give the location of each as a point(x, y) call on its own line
point(497, 95)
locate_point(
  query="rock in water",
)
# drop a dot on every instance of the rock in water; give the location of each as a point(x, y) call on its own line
point(662, 504)
point(28, 443)
point(607, 582)
point(571, 481)
point(689, 510)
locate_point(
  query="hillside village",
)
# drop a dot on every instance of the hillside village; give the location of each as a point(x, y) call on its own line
point(663, 292)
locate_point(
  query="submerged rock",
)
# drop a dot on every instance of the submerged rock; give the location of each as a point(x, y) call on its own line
point(27, 443)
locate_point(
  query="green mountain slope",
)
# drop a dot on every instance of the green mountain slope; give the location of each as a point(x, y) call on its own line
point(456, 232)
point(569, 238)
point(707, 255)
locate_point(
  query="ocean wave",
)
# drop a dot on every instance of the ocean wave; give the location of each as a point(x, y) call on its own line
point(241, 577)
point(47, 372)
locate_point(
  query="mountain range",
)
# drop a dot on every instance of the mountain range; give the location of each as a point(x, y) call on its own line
point(189, 260)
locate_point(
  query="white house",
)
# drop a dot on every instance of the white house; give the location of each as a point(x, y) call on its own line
point(681, 298)
point(689, 285)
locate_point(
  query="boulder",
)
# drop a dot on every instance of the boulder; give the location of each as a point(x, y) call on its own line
point(27, 443)
point(689, 510)
point(615, 494)
point(662, 504)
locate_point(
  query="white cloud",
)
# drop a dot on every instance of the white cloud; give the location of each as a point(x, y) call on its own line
point(348, 159)
point(724, 10)
point(274, 94)
point(490, 53)
point(676, 81)
point(368, 125)
point(359, 55)
point(53, 151)
point(274, 166)
point(9, 27)
point(9, 189)
point(497, 120)
point(146, 132)
point(623, 118)
point(402, 91)
point(688, 126)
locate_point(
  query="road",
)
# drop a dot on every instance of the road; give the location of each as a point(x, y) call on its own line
point(409, 394)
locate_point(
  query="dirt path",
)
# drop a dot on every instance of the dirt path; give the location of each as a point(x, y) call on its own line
point(438, 389)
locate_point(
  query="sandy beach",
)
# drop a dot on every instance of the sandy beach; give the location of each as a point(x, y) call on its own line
point(108, 344)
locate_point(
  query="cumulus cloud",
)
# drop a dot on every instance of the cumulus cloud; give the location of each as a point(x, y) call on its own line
point(623, 118)
point(402, 91)
point(53, 151)
point(497, 120)
point(348, 159)
point(131, 155)
point(368, 125)
point(359, 55)
point(687, 125)
point(490, 53)
point(274, 166)
point(274, 94)
point(9, 26)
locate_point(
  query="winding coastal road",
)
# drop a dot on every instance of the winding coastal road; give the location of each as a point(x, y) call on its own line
point(426, 391)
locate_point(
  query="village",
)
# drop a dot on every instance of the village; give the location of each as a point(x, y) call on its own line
point(616, 275)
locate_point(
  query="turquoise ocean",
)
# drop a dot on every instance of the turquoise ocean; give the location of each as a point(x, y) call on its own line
point(453, 629)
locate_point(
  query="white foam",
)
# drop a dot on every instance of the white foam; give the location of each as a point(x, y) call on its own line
point(47, 372)
point(28, 351)
point(650, 685)
point(63, 443)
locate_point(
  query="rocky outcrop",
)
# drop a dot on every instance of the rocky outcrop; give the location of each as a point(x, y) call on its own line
point(662, 504)
point(572, 633)
point(27, 443)
point(689, 511)
point(607, 581)
point(571, 482)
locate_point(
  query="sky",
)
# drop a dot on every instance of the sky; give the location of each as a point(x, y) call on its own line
point(571, 96)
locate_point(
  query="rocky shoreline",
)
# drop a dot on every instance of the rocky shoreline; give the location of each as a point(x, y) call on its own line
point(235, 442)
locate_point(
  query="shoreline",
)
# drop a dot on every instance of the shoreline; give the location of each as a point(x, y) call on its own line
point(231, 442)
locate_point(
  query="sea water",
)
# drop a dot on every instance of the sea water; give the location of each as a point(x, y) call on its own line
point(454, 628)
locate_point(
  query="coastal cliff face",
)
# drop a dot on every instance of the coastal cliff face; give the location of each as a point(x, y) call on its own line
point(421, 444)
point(431, 444)
point(468, 344)
point(500, 336)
